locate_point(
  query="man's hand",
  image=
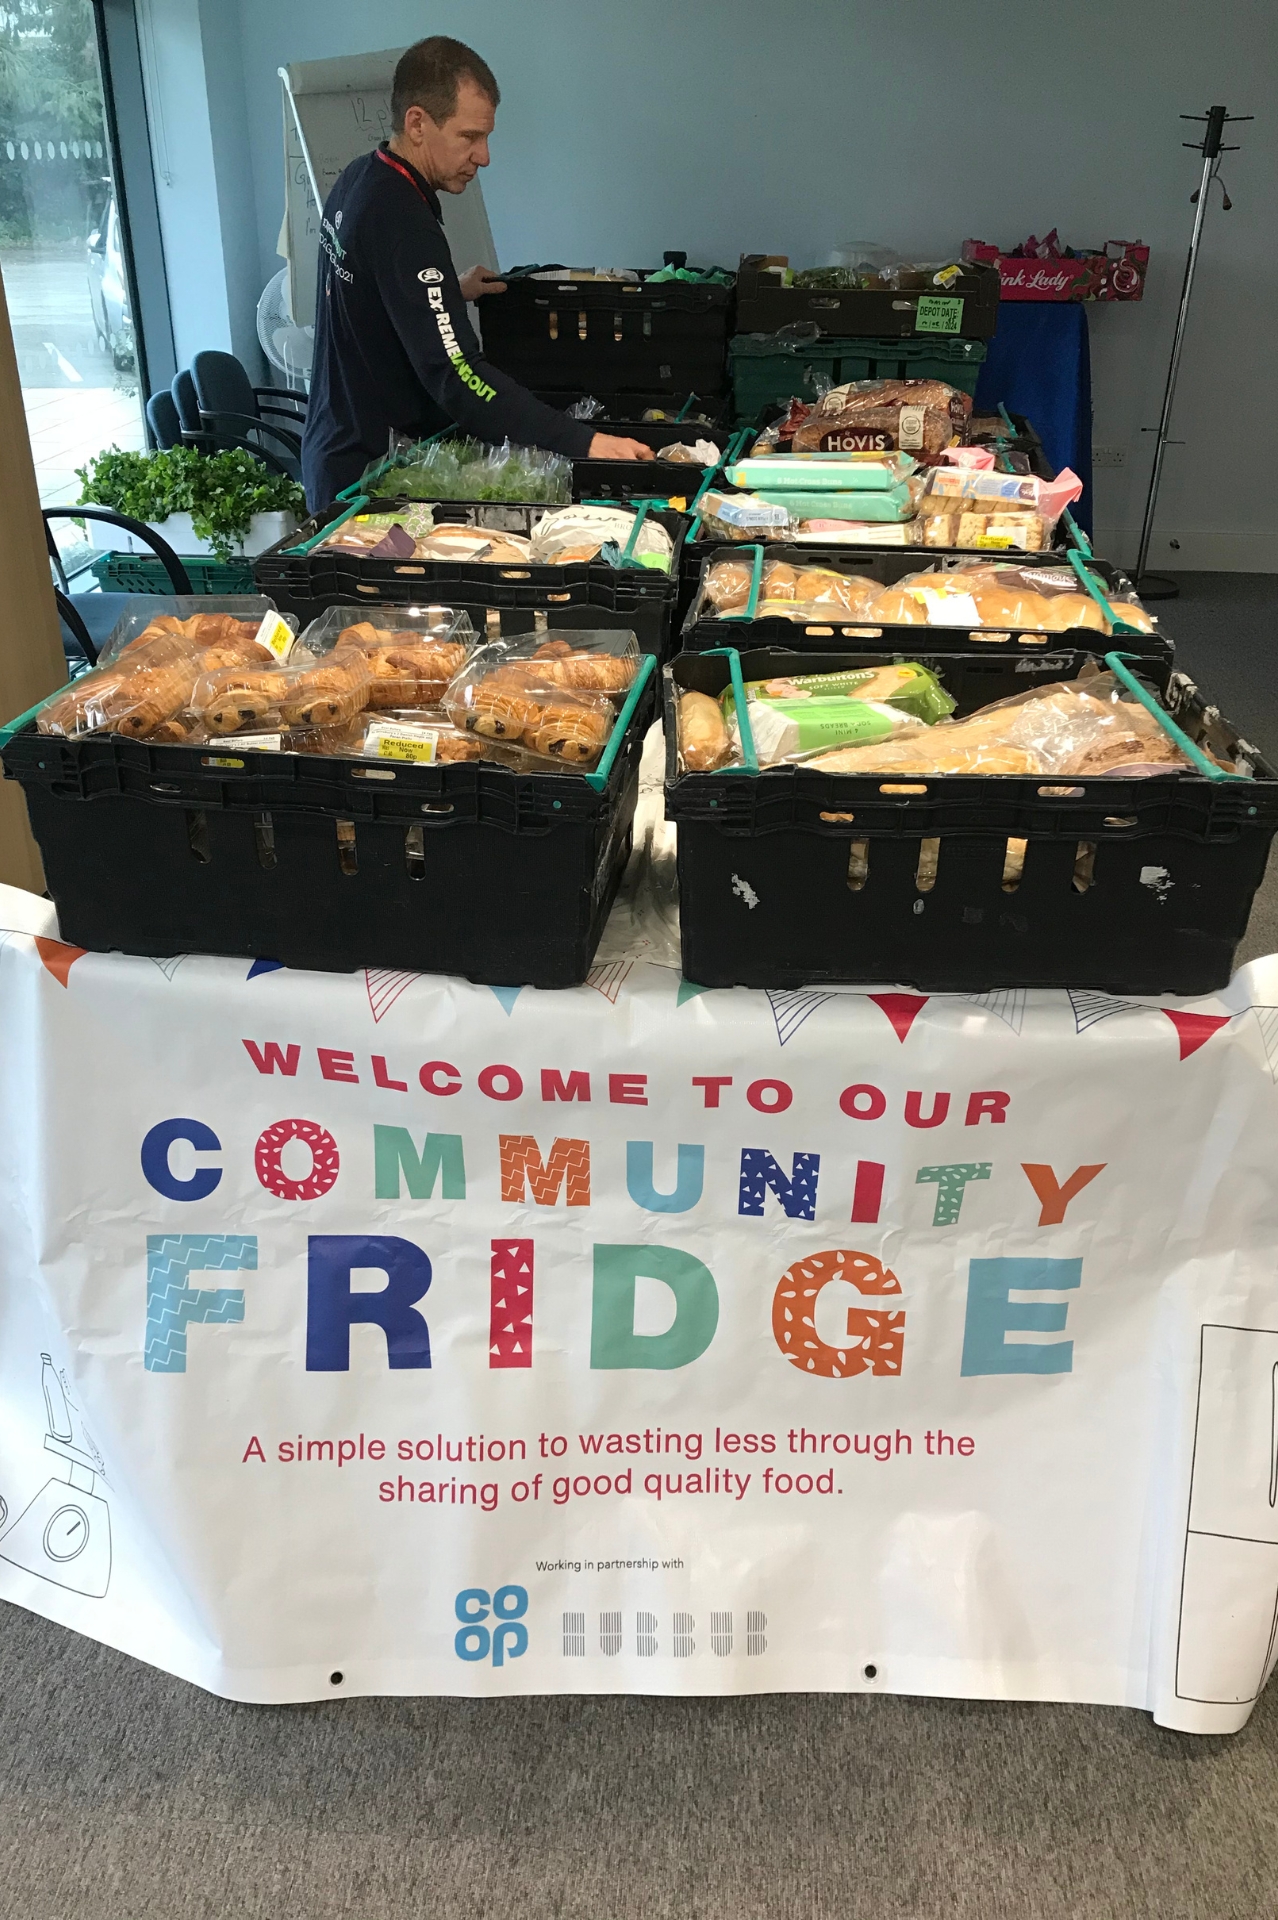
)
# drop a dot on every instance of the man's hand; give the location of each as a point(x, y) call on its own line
point(478, 281)
point(606, 446)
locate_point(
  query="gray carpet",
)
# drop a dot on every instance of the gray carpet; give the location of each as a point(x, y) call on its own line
point(125, 1795)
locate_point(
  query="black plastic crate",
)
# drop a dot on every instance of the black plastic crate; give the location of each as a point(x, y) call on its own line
point(794, 877)
point(624, 408)
point(765, 306)
point(888, 567)
point(330, 864)
point(640, 479)
point(610, 335)
point(585, 594)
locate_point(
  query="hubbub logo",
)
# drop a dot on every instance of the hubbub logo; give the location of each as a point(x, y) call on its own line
point(429, 276)
point(506, 1638)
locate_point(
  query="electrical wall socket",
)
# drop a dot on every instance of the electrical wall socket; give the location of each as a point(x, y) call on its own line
point(1109, 457)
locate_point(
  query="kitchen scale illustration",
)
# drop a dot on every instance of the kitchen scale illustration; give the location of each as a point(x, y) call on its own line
point(64, 1534)
point(1229, 1592)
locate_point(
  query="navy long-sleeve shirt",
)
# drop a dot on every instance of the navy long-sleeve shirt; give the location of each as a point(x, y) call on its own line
point(394, 347)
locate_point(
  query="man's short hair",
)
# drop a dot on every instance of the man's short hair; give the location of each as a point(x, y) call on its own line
point(428, 74)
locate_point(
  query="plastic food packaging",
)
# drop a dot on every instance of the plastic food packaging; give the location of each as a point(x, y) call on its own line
point(704, 741)
point(793, 593)
point(582, 533)
point(423, 742)
point(511, 701)
point(783, 729)
point(877, 416)
point(476, 544)
point(894, 504)
point(193, 621)
point(904, 685)
point(146, 693)
point(295, 699)
point(1073, 727)
point(966, 507)
point(813, 472)
point(742, 516)
point(594, 660)
point(372, 534)
point(697, 453)
point(470, 470)
point(411, 653)
point(990, 595)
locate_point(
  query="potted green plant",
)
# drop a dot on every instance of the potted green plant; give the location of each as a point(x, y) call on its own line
point(219, 503)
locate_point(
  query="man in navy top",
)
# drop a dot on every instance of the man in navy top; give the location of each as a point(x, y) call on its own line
point(394, 347)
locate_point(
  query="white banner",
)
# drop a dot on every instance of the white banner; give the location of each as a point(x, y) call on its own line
point(381, 1333)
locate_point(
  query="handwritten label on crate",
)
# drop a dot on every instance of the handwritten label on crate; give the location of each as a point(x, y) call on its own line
point(939, 313)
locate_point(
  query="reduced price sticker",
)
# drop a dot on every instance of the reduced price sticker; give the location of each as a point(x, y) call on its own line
point(939, 313)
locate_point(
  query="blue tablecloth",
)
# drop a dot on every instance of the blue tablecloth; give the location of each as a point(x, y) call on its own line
point(1039, 364)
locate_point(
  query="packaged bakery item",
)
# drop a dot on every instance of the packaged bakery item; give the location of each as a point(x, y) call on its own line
point(295, 699)
point(416, 739)
point(588, 533)
point(191, 622)
point(1072, 727)
point(382, 536)
point(704, 741)
point(966, 507)
point(146, 692)
point(786, 729)
point(593, 660)
point(513, 701)
point(785, 591)
point(822, 473)
point(480, 545)
point(411, 652)
point(903, 684)
point(742, 516)
point(879, 416)
point(999, 595)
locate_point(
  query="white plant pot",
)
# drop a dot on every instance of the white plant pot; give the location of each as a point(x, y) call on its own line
point(264, 530)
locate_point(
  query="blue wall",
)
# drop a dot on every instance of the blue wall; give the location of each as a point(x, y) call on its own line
point(629, 126)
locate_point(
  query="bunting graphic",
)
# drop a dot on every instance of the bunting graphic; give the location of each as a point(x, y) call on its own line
point(609, 978)
point(58, 958)
point(1091, 1007)
point(1005, 1003)
point(385, 985)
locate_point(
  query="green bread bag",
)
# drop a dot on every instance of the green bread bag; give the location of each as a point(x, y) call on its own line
point(902, 684)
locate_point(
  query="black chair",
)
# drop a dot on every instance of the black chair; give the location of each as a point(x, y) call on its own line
point(194, 432)
point(162, 418)
point(88, 619)
point(232, 409)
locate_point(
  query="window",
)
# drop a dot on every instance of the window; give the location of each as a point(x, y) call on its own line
point(64, 251)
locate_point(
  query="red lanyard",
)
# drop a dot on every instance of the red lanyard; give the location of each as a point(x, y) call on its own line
point(400, 168)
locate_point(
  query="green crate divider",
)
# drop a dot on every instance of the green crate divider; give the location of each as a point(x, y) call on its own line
point(136, 573)
point(764, 375)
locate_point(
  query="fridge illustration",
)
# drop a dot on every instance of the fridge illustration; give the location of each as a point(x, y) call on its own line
point(64, 1533)
point(1229, 1592)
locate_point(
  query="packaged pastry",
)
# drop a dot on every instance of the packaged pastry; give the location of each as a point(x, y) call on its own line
point(591, 660)
point(478, 545)
point(327, 694)
point(512, 701)
point(147, 691)
point(879, 416)
point(411, 653)
point(173, 626)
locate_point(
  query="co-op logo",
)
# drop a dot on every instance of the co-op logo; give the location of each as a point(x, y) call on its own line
point(429, 275)
point(507, 1638)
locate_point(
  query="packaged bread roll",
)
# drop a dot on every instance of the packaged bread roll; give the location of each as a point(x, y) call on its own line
point(703, 733)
